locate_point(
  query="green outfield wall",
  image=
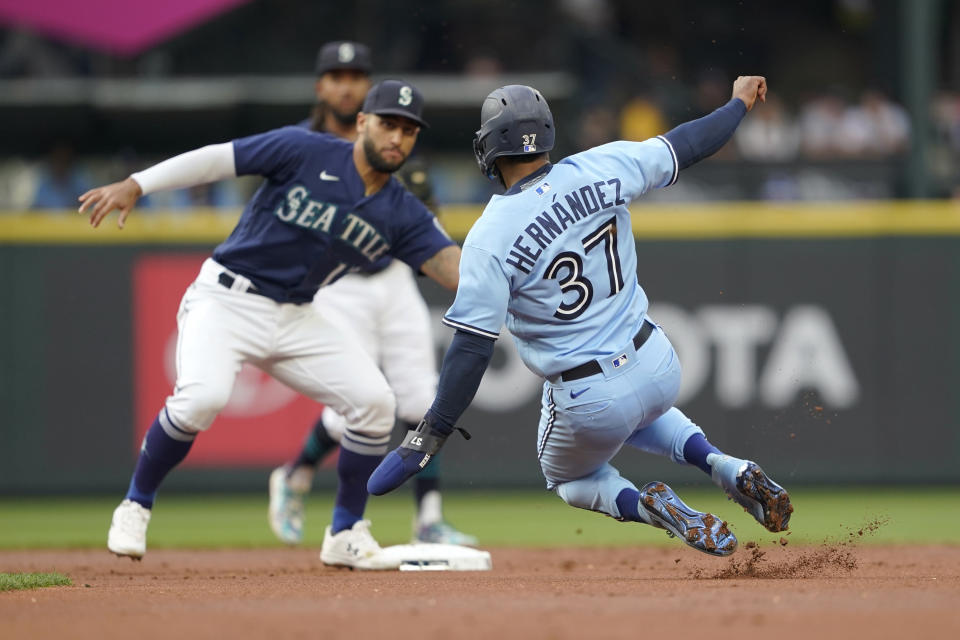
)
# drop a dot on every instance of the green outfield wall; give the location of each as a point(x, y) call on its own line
point(818, 339)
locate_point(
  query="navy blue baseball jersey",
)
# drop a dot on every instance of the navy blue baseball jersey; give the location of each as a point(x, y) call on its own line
point(380, 264)
point(309, 223)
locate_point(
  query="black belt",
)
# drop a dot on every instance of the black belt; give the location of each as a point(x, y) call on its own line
point(227, 280)
point(593, 367)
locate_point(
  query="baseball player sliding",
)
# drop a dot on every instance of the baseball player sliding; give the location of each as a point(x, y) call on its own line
point(555, 259)
point(326, 207)
point(380, 305)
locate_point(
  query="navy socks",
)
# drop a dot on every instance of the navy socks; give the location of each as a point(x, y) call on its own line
point(354, 469)
point(628, 502)
point(158, 455)
point(696, 449)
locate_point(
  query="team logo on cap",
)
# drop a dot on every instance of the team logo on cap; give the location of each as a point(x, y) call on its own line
point(346, 52)
point(406, 96)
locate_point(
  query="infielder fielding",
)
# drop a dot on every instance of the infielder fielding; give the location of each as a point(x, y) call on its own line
point(554, 258)
point(326, 206)
point(381, 306)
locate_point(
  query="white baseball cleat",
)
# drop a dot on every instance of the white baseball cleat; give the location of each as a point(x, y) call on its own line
point(355, 548)
point(286, 511)
point(128, 530)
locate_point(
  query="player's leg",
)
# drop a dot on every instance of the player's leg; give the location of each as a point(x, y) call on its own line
point(214, 338)
point(316, 359)
point(585, 423)
point(574, 450)
point(347, 304)
point(576, 440)
point(675, 436)
point(408, 361)
point(351, 306)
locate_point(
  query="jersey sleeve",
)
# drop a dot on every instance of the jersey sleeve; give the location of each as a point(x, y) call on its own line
point(274, 154)
point(420, 236)
point(480, 306)
point(640, 166)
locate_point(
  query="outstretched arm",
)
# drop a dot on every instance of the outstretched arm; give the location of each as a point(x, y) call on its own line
point(695, 140)
point(444, 267)
point(200, 166)
point(460, 375)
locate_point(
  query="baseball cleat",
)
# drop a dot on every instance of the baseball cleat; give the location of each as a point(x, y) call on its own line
point(702, 531)
point(128, 530)
point(355, 548)
point(286, 511)
point(442, 532)
point(746, 484)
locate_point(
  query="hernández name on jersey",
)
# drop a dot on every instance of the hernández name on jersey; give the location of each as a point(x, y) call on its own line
point(562, 212)
point(311, 222)
point(301, 210)
point(555, 252)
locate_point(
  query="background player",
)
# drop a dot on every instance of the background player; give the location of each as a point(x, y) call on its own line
point(326, 205)
point(547, 258)
point(382, 307)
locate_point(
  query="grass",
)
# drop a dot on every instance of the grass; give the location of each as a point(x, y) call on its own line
point(15, 581)
point(918, 515)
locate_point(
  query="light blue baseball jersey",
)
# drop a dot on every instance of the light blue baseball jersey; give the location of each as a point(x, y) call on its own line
point(554, 257)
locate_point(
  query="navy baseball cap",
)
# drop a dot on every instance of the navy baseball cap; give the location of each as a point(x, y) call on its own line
point(395, 98)
point(344, 54)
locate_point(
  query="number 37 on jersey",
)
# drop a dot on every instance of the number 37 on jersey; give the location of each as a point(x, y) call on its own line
point(567, 269)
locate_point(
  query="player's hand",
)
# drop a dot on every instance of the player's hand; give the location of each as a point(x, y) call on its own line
point(399, 466)
point(119, 195)
point(411, 457)
point(750, 89)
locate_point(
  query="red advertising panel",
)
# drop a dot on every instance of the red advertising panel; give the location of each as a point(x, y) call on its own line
point(263, 424)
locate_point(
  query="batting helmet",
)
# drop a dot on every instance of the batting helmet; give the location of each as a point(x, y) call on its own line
point(514, 121)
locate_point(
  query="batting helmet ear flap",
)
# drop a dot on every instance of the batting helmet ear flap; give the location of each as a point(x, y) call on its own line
point(479, 145)
point(515, 120)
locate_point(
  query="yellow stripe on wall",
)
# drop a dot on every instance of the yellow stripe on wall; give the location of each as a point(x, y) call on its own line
point(768, 220)
point(686, 221)
point(200, 226)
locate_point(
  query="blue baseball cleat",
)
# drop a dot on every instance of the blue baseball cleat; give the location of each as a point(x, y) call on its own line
point(703, 531)
point(746, 484)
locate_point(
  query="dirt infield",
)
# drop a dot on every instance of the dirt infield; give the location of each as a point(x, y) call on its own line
point(777, 592)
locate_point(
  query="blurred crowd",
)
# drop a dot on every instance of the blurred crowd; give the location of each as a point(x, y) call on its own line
point(946, 156)
point(824, 127)
point(814, 149)
point(832, 128)
point(55, 181)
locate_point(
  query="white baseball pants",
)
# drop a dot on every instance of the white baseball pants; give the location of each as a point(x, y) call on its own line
point(221, 328)
point(390, 320)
